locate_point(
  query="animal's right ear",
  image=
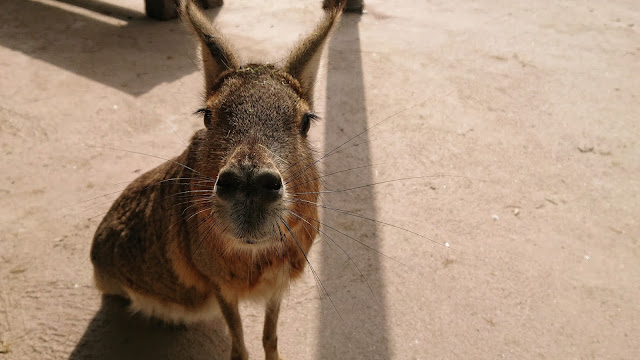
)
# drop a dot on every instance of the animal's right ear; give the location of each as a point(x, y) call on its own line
point(217, 56)
point(303, 61)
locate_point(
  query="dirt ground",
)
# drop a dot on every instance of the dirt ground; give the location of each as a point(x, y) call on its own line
point(521, 118)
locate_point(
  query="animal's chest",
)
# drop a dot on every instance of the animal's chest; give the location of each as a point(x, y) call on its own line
point(247, 271)
point(255, 279)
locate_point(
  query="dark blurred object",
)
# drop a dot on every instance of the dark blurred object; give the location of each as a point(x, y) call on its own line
point(166, 9)
point(354, 6)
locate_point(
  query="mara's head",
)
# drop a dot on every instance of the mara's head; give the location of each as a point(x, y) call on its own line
point(257, 117)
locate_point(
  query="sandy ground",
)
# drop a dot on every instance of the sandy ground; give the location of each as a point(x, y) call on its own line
point(530, 110)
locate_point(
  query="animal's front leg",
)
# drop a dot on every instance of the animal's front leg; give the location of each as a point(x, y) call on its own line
point(269, 334)
point(229, 308)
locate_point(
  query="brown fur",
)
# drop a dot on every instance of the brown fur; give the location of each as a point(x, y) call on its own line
point(180, 253)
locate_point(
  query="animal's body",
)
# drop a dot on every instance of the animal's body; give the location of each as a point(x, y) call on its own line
point(234, 215)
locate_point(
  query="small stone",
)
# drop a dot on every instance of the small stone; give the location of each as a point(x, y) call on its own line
point(585, 148)
point(18, 270)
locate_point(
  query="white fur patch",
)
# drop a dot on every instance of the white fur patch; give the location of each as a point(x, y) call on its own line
point(170, 312)
point(273, 282)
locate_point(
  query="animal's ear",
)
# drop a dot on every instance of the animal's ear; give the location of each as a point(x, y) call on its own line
point(304, 59)
point(217, 55)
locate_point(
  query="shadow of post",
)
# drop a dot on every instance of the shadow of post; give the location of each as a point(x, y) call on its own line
point(116, 334)
point(360, 331)
point(130, 53)
point(105, 8)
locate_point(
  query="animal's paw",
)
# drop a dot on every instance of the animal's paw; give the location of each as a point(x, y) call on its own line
point(274, 356)
point(239, 355)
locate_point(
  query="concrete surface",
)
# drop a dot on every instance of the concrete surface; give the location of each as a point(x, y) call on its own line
point(525, 115)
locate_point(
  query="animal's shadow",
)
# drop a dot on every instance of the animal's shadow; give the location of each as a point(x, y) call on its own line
point(115, 46)
point(115, 333)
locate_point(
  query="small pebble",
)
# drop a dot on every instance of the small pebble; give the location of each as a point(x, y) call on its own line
point(585, 148)
point(18, 270)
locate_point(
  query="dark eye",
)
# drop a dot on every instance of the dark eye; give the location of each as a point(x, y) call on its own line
point(206, 113)
point(305, 123)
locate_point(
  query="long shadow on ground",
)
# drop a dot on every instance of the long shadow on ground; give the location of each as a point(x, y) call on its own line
point(361, 307)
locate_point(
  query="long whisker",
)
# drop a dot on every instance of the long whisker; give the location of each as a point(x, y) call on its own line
point(359, 242)
point(316, 278)
point(281, 238)
point(153, 156)
point(189, 194)
point(97, 205)
point(339, 172)
point(341, 150)
point(190, 179)
point(203, 198)
point(175, 133)
point(385, 182)
point(95, 216)
point(207, 233)
point(183, 218)
point(349, 257)
point(194, 201)
point(193, 181)
point(274, 154)
point(94, 198)
point(310, 266)
point(360, 143)
point(446, 245)
point(356, 136)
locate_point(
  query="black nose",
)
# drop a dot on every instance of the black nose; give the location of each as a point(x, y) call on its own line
point(265, 186)
point(228, 184)
point(268, 186)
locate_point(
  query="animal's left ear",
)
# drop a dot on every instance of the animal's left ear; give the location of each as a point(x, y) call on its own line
point(303, 62)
